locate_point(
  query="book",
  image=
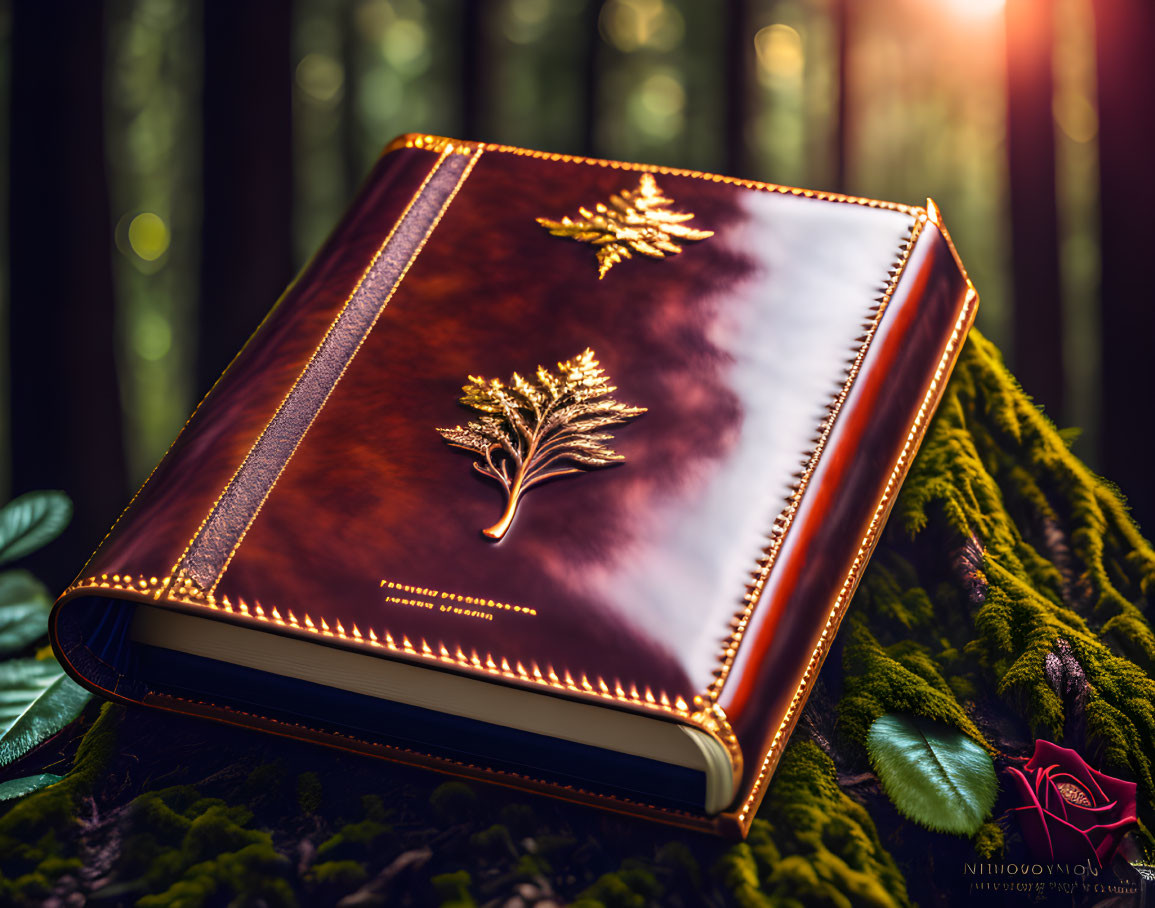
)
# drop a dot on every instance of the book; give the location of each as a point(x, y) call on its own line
point(548, 471)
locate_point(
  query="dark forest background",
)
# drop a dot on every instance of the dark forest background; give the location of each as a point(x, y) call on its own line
point(169, 165)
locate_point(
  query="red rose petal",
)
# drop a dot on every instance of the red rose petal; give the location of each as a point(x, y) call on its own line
point(1026, 793)
point(1033, 823)
point(1106, 839)
point(1087, 817)
point(1050, 797)
point(1118, 790)
point(1057, 829)
point(1068, 843)
point(1048, 754)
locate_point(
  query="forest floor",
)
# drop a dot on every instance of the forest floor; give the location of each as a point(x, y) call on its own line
point(1007, 601)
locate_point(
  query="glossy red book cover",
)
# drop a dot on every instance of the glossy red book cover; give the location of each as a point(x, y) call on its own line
point(779, 352)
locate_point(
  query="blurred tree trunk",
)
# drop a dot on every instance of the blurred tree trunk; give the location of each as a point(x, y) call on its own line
point(1125, 39)
point(476, 68)
point(1037, 354)
point(841, 132)
point(590, 80)
point(247, 257)
point(739, 63)
point(66, 416)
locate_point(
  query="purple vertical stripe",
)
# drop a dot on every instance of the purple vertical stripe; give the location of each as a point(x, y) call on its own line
point(229, 520)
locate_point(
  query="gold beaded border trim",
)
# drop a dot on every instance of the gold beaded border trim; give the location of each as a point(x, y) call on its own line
point(865, 547)
point(184, 592)
point(438, 144)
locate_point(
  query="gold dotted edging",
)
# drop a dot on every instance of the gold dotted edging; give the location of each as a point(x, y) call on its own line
point(185, 592)
point(438, 144)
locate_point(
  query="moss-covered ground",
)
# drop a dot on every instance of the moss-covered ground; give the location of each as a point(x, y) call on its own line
point(1008, 599)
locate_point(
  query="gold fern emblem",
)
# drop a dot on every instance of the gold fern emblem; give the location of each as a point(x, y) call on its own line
point(530, 431)
point(635, 220)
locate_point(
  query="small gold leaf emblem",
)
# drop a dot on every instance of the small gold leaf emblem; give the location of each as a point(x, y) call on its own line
point(635, 220)
point(530, 431)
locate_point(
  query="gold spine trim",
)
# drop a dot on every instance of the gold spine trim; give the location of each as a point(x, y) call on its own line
point(436, 144)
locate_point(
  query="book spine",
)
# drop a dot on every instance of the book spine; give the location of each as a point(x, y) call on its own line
point(210, 550)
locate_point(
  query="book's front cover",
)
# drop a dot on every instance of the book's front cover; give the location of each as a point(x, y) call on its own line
point(773, 355)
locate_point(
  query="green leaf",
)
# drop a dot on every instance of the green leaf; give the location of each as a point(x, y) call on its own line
point(36, 701)
point(24, 608)
point(17, 788)
point(934, 774)
point(30, 521)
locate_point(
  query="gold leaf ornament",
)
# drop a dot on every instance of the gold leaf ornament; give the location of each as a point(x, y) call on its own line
point(635, 220)
point(531, 430)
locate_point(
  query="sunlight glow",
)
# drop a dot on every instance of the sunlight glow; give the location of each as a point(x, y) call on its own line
point(975, 9)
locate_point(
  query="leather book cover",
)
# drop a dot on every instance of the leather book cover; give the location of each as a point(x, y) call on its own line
point(620, 434)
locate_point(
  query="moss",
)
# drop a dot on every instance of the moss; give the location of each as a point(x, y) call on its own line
point(453, 889)
point(633, 886)
point(374, 808)
point(363, 838)
point(494, 842)
point(738, 873)
point(33, 829)
point(309, 792)
point(811, 844)
point(900, 678)
point(989, 841)
point(263, 786)
point(519, 818)
point(682, 867)
point(529, 866)
point(252, 875)
point(453, 802)
point(1001, 545)
point(343, 875)
point(1058, 558)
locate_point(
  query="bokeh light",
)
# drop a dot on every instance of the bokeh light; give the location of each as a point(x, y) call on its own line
point(631, 25)
point(779, 50)
point(148, 236)
point(321, 78)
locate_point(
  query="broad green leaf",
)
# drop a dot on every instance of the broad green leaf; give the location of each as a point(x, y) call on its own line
point(17, 788)
point(24, 608)
point(30, 521)
point(934, 774)
point(36, 700)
